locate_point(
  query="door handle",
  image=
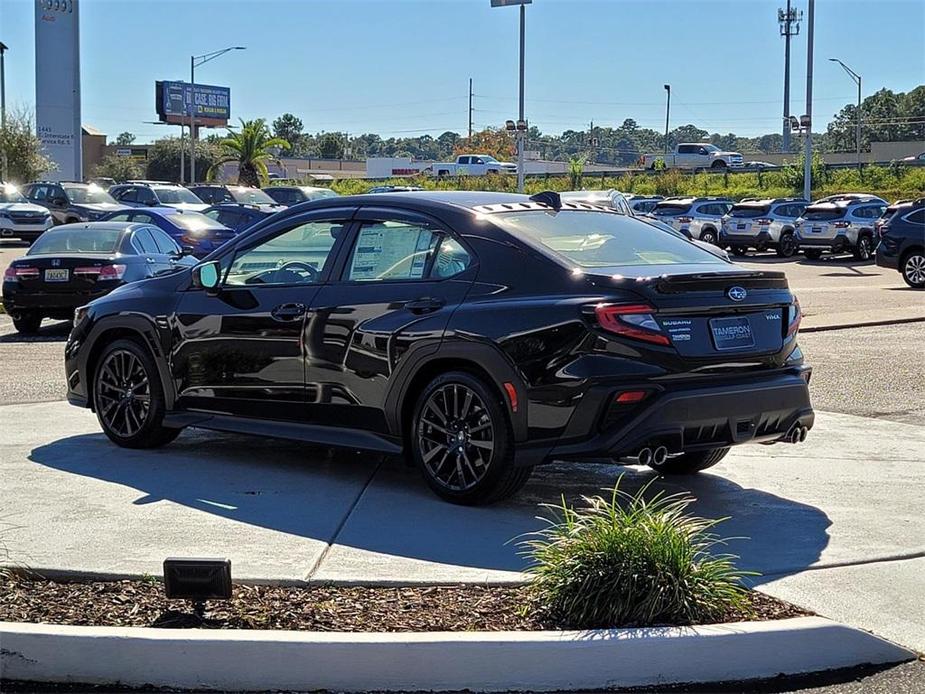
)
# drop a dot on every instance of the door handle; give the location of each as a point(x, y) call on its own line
point(287, 312)
point(425, 304)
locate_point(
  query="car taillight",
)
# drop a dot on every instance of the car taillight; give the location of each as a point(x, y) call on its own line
point(842, 225)
point(763, 222)
point(794, 316)
point(101, 272)
point(631, 320)
point(14, 274)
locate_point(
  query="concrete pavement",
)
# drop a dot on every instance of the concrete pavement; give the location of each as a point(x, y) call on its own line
point(837, 524)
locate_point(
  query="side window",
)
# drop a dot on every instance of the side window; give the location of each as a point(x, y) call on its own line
point(37, 193)
point(164, 243)
point(463, 160)
point(917, 217)
point(142, 218)
point(144, 195)
point(296, 256)
point(213, 214)
point(121, 217)
point(142, 240)
point(685, 149)
point(451, 259)
point(392, 250)
point(128, 195)
point(228, 218)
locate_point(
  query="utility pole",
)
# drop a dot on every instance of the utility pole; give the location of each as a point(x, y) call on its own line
point(789, 21)
point(3, 162)
point(521, 121)
point(667, 114)
point(808, 142)
point(470, 109)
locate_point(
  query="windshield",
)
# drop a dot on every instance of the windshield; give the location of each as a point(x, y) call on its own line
point(76, 241)
point(251, 196)
point(194, 221)
point(711, 148)
point(174, 196)
point(11, 194)
point(90, 195)
point(601, 239)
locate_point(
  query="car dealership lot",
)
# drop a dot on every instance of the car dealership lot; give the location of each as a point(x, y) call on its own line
point(836, 523)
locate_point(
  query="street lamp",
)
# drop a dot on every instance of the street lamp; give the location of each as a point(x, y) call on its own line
point(3, 49)
point(521, 120)
point(194, 62)
point(667, 113)
point(857, 78)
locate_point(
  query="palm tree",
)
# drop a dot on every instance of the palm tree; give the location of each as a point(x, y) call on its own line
point(250, 148)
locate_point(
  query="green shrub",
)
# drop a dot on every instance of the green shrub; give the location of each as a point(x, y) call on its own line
point(631, 561)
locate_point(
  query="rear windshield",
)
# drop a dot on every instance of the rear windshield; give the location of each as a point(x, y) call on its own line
point(251, 196)
point(663, 210)
point(76, 241)
point(193, 221)
point(90, 195)
point(601, 239)
point(175, 196)
point(748, 211)
point(822, 215)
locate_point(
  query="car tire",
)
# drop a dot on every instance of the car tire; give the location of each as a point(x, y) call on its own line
point(718, 165)
point(862, 251)
point(912, 268)
point(458, 419)
point(128, 397)
point(740, 251)
point(812, 253)
point(689, 463)
point(28, 323)
point(787, 246)
point(708, 236)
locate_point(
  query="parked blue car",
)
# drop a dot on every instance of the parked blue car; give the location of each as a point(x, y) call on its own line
point(239, 217)
point(188, 228)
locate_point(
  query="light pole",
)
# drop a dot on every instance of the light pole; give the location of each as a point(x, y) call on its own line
point(667, 114)
point(3, 50)
point(807, 120)
point(857, 78)
point(521, 132)
point(194, 62)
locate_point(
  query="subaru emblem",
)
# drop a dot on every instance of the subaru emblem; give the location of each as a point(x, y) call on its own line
point(736, 293)
point(55, 262)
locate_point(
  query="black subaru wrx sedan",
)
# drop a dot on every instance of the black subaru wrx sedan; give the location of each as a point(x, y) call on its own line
point(478, 333)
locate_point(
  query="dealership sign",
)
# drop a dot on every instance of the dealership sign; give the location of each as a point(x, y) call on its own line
point(57, 86)
point(211, 105)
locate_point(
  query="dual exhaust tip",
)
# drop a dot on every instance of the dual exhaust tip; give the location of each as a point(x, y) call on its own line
point(648, 456)
point(797, 434)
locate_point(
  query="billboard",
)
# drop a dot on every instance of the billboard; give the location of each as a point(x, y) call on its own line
point(212, 105)
point(57, 85)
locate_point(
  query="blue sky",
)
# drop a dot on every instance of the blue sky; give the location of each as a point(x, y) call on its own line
point(401, 67)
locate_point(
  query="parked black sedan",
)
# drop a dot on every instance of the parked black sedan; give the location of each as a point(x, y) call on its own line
point(479, 333)
point(71, 265)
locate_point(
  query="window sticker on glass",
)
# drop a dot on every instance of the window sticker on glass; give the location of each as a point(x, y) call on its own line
point(392, 250)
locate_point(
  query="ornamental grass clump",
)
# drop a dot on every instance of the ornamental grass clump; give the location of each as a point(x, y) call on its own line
point(632, 560)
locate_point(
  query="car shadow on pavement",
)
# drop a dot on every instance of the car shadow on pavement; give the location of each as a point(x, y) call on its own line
point(49, 332)
point(358, 501)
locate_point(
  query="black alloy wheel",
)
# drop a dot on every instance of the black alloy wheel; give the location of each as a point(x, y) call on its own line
point(708, 236)
point(462, 442)
point(863, 249)
point(913, 269)
point(128, 397)
point(787, 246)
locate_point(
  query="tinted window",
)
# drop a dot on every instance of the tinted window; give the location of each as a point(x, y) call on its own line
point(285, 196)
point(662, 210)
point(749, 211)
point(686, 149)
point(451, 259)
point(142, 241)
point(144, 195)
point(81, 195)
point(917, 217)
point(392, 251)
point(142, 218)
point(76, 241)
point(165, 244)
point(229, 219)
point(127, 194)
point(599, 239)
point(297, 256)
point(175, 196)
point(121, 217)
point(821, 215)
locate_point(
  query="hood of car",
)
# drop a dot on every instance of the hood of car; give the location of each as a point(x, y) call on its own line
point(101, 207)
point(23, 208)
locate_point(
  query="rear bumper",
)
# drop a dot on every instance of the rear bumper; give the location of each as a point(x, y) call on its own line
point(762, 238)
point(887, 259)
point(63, 304)
point(693, 418)
point(838, 244)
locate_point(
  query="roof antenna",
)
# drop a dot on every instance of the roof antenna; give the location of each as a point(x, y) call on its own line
point(548, 197)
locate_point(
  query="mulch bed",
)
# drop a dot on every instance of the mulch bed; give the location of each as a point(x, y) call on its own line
point(141, 603)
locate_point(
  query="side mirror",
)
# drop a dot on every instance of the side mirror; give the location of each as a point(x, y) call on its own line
point(207, 276)
point(186, 250)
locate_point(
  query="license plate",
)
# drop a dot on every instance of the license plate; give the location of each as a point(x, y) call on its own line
point(732, 333)
point(816, 230)
point(56, 275)
point(740, 226)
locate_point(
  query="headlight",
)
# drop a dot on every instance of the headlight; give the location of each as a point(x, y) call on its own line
point(79, 314)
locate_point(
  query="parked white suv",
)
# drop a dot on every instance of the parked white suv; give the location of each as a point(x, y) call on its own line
point(840, 224)
point(762, 224)
point(20, 218)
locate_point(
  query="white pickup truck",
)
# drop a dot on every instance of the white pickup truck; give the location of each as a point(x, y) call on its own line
point(692, 155)
point(473, 165)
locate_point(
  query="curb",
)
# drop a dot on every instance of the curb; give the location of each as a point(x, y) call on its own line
point(438, 661)
point(866, 324)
